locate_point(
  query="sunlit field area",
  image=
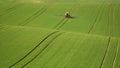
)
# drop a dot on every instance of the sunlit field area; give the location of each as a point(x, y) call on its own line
point(37, 34)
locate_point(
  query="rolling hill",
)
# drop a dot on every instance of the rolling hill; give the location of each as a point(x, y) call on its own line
point(35, 34)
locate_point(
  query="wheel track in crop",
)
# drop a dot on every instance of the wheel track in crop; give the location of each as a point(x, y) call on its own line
point(106, 52)
point(42, 50)
point(45, 38)
point(59, 22)
point(53, 55)
point(113, 9)
point(117, 42)
point(9, 10)
point(34, 16)
point(116, 53)
point(2, 27)
point(97, 19)
point(62, 23)
point(4, 9)
point(111, 23)
point(108, 43)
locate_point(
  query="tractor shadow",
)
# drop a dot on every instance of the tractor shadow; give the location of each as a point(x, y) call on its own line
point(70, 17)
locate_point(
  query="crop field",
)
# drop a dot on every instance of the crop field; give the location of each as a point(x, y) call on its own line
point(36, 34)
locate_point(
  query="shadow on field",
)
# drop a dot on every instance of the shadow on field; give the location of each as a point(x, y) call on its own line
point(71, 17)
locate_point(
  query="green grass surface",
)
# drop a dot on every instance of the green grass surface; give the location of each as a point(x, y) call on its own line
point(35, 34)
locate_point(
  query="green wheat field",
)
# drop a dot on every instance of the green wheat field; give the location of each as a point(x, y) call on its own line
point(35, 34)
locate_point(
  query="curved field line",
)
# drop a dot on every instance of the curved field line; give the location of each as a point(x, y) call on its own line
point(35, 15)
point(113, 18)
point(59, 22)
point(62, 22)
point(108, 44)
point(9, 10)
point(116, 53)
point(106, 52)
point(65, 21)
point(98, 17)
point(5, 9)
point(33, 48)
point(3, 27)
point(117, 43)
point(94, 22)
point(41, 50)
point(101, 14)
point(109, 26)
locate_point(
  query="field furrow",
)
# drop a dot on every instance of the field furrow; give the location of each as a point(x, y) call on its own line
point(62, 23)
point(41, 50)
point(32, 49)
point(29, 19)
point(106, 53)
point(97, 19)
point(36, 34)
point(9, 10)
point(116, 53)
point(117, 65)
point(59, 22)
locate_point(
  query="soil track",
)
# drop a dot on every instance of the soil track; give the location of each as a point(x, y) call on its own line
point(35, 15)
point(113, 9)
point(1, 27)
point(97, 19)
point(59, 22)
point(108, 43)
point(106, 52)
point(9, 10)
point(116, 53)
point(45, 38)
point(42, 50)
point(62, 23)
